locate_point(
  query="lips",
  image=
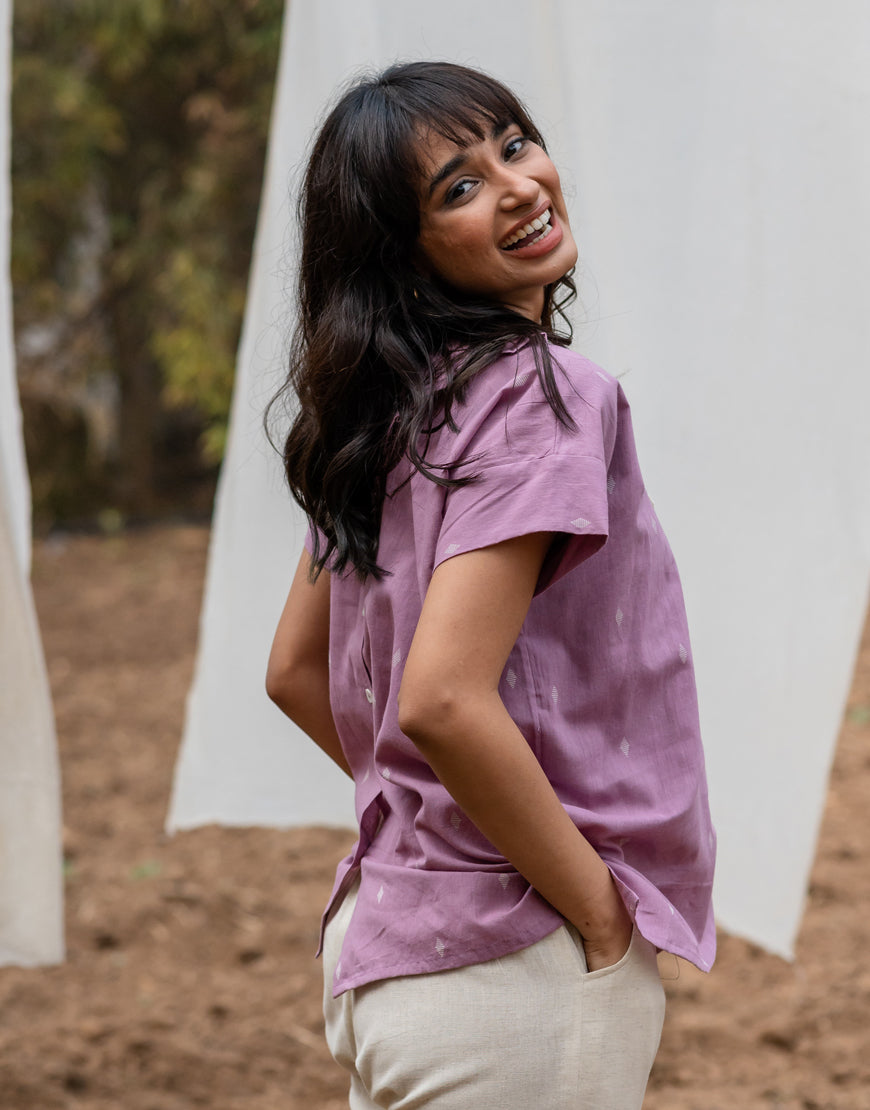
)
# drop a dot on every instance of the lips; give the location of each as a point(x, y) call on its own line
point(534, 223)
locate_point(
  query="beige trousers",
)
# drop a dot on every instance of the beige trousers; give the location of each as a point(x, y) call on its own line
point(530, 1031)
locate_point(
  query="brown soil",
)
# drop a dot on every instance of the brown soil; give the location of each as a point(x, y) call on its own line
point(190, 979)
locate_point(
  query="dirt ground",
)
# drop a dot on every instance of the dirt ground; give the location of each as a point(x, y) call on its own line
point(190, 979)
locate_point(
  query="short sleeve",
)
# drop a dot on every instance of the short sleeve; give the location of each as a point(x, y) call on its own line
point(561, 493)
point(534, 473)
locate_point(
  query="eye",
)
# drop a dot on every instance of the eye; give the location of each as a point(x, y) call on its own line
point(458, 190)
point(515, 146)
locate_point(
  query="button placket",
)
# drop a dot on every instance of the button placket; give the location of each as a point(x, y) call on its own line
point(364, 652)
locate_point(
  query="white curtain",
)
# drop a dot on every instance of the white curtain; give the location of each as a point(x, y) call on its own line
point(31, 905)
point(717, 159)
point(13, 468)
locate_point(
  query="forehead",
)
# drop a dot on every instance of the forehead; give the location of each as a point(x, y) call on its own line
point(434, 150)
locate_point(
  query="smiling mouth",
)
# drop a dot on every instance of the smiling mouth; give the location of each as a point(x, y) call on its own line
point(536, 229)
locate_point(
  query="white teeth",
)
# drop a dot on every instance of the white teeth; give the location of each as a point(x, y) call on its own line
point(539, 223)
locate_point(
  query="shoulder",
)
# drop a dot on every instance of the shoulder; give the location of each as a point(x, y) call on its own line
point(586, 390)
point(506, 406)
point(516, 372)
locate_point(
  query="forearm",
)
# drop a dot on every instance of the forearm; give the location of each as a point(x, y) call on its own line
point(483, 760)
point(305, 700)
point(297, 678)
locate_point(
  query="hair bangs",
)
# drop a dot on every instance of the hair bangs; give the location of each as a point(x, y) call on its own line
point(461, 105)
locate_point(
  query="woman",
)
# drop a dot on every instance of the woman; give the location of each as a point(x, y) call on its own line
point(486, 630)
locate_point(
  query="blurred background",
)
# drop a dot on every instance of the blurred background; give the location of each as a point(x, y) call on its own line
point(139, 132)
point(139, 136)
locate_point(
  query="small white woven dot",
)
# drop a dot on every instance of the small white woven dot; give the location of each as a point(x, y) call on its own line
point(611, 485)
point(619, 618)
point(554, 694)
point(450, 548)
point(439, 946)
point(522, 379)
point(684, 655)
point(581, 522)
point(504, 879)
point(397, 657)
point(380, 895)
point(455, 819)
point(511, 678)
point(387, 773)
point(625, 747)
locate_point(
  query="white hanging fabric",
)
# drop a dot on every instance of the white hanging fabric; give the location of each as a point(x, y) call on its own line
point(13, 467)
point(716, 161)
point(31, 882)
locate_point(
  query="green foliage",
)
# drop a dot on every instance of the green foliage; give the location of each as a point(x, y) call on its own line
point(139, 135)
point(147, 869)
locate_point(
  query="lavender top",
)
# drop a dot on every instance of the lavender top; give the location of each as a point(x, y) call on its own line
point(600, 683)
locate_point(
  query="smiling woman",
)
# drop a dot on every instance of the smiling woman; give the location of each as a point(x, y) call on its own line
point(493, 220)
point(486, 630)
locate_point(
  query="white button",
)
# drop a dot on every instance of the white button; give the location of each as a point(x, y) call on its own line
point(370, 697)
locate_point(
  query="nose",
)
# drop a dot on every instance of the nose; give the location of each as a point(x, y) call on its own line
point(518, 188)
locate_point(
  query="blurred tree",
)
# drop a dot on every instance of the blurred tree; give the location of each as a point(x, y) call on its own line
point(139, 135)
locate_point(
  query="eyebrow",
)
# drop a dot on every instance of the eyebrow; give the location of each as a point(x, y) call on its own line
point(457, 160)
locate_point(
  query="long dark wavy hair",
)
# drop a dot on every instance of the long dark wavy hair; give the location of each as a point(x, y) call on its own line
point(373, 361)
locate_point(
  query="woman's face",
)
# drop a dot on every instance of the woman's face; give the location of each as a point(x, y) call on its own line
point(476, 200)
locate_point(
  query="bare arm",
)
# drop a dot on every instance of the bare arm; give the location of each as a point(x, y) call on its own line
point(297, 678)
point(450, 707)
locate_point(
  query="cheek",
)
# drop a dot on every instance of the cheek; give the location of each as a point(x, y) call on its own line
point(549, 175)
point(458, 236)
point(448, 254)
